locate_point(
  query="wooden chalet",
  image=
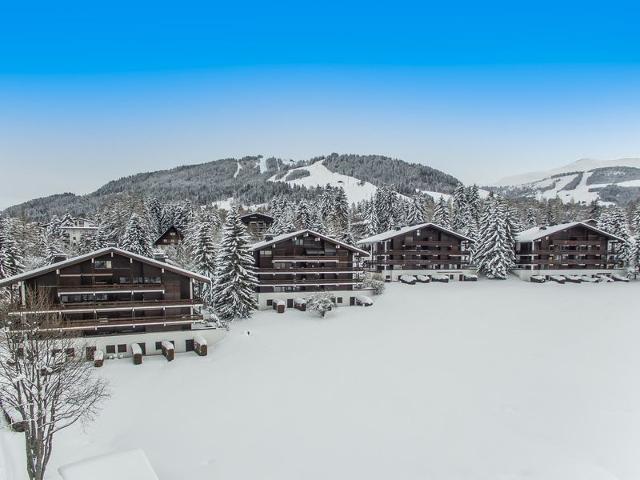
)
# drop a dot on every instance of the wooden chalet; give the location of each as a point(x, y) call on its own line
point(567, 246)
point(296, 265)
point(171, 237)
point(257, 223)
point(421, 249)
point(112, 292)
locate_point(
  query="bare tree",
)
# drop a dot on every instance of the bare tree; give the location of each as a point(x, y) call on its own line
point(46, 384)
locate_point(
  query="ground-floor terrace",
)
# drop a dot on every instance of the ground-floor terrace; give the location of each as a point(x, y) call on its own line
point(447, 380)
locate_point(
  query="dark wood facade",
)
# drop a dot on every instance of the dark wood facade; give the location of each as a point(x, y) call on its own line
point(420, 247)
point(307, 262)
point(111, 291)
point(257, 223)
point(172, 236)
point(578, 246)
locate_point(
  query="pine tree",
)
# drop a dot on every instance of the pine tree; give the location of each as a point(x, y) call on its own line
point(136, 237)
point(416, 211)
point(461, 213)
point(303, 216)
point(531, 219)
point(614, 221)
point(102, 238)
point(495, 251)
point(11, 255)
point(474, 202)
point(235, 282)
point(441, 214)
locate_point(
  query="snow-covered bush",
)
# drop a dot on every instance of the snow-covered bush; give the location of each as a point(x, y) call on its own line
point(320, 303)
point(375, 282)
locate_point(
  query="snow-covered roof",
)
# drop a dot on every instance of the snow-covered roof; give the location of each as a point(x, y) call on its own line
point(286, 236)
point(97, 253)
point(259, 214)
point(538, 232)
point(380, 237)
point(131, 464)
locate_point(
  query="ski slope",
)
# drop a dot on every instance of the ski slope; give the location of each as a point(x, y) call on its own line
point(355, 189)
point(487, 380)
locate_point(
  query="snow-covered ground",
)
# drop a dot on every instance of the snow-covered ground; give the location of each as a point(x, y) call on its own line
point(481, 380)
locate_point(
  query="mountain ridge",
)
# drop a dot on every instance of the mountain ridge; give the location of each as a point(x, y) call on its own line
point(246, 179)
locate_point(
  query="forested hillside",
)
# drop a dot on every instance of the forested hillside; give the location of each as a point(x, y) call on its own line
point(244, 179)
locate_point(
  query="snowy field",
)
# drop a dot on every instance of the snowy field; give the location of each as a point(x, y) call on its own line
point(489, 380)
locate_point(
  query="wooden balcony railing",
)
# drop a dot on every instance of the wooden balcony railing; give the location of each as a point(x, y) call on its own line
point(537, 261)
point(104, 323)
point(143, 304)
point(454, 251)
point(110, 287)
point(307, 281)
point(577, 242)
point(411, 261)
point(307, 258)
point(307, 270)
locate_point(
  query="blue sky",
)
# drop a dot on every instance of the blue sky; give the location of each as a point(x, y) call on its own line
point(93, 91)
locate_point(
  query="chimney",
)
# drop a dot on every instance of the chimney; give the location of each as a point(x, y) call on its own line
point(59, 257)
point(268, 237)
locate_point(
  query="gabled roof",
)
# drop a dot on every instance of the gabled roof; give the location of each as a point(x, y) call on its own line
point(380, 237)
point(98, 253)
point(172, 227)
point(259, 214)
point(286, 236)
point(536, 233)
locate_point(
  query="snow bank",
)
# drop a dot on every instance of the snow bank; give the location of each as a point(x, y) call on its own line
point(200, 340)
point(167, 345)
point(132, 464)
point(135, 349)
point(98, 355)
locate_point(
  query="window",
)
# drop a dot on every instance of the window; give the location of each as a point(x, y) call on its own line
point(102, 264)
point(111, 349)
point(70, 352)
point(265, 253)
point(158, 345)
point(269, 303)
point(339, 299)
point(122, 348)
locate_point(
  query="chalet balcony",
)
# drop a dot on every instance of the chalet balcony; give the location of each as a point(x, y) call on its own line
point(418, 262)
point(308, 270)
point(575, 243)
point(585, 261)
point(123, 322)
point(453, 251)
point(307, 281)
point(429, 243)
point(110, 288)
point(105, 306)
point(308, 258)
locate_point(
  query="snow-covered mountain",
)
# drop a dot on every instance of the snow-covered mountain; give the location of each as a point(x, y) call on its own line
point(609, 181)
point(252, 181)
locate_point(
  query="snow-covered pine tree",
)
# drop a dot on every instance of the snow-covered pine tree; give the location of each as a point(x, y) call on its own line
point(494, 254)
point(614, 221)
point(235, 281)
point(102, 237)
point(284, 220)
point(474, 202)
point(415, 211)
point(441, 214)
point(531, 218)
point(461, 212)
point(340, 214)
point(11, 255)
point(303, 216)
point(635, 220)
point(136, 238)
